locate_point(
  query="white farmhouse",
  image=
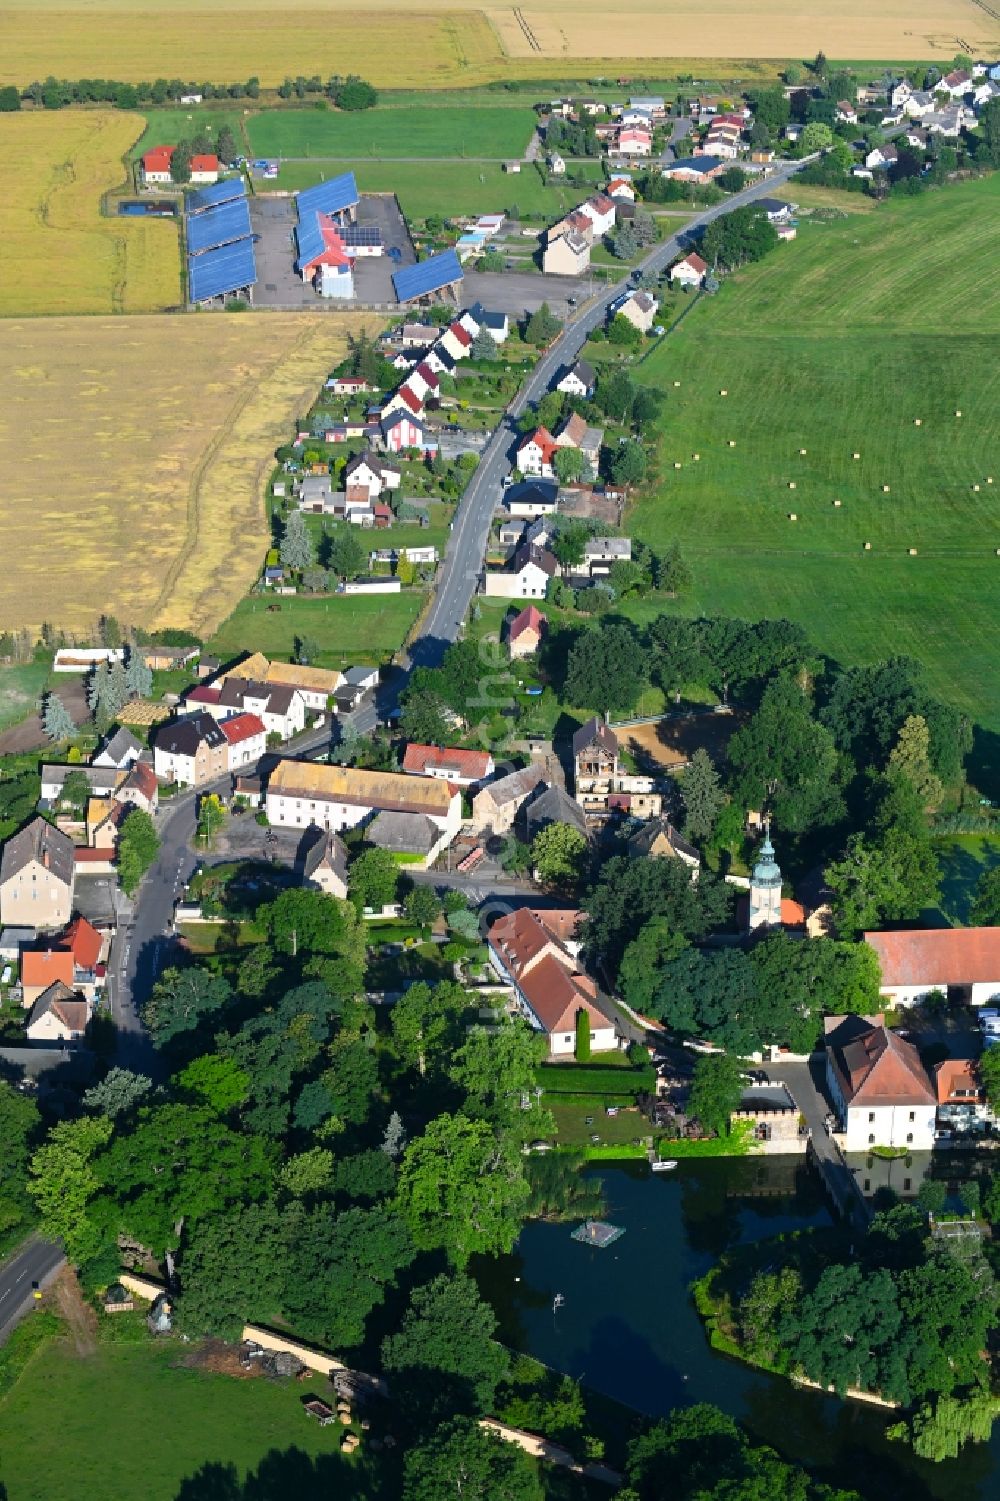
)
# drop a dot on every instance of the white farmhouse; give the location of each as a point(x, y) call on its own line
point(882, 1093)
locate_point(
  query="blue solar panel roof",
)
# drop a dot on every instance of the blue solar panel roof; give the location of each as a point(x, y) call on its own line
point(217, 226)
point(225, 269)
point(417, 281)
point(330, 197)
point(309, 238)
point(216, 192)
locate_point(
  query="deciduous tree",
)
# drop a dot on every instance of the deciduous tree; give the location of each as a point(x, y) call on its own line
point(462, 1189)
point(447, 1335)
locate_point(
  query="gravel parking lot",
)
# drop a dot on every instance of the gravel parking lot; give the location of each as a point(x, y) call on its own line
point(520, 292)
point(273, 219)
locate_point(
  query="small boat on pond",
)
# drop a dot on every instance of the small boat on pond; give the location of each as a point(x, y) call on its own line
point(663, 1167)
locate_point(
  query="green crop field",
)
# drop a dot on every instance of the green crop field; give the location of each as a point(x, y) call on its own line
point(160, 1426)
point(432, 129)
point(446, 188)
point(838, 344)
point(349, 629)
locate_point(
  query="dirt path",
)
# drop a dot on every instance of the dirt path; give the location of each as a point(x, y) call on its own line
point(81, 1320)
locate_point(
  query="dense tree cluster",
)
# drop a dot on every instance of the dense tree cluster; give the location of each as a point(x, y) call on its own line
point(901, 1314)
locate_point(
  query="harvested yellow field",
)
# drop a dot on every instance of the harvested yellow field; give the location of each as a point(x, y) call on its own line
point(134, 454)
point(735, 29)
point(453, 42)
point(58, 253)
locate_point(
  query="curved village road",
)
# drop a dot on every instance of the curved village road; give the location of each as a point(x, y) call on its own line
point(139, 951)
point(466, 550)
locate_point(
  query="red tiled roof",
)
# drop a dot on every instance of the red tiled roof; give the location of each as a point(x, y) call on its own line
point(881, 1068)
point(530, 945)
point(83, 855)
point(206, 163)
point(426, 373)
point(206, 693)
point(530, 619)
point(461, 333)
point(43, 968)
point(695, 262)
point(143, 778)
point(957, 1079)
point(544, 440)
point(411, 399)
point(938, 956)
point(242, 727)
point(83, 941)
point(470, 764)
point(157, 159)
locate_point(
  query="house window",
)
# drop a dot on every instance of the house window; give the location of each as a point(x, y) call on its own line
point(913, 1115)
point(871, 1117)
point(868, 1185)
point(906, 1185)
point(871, 1138)
point(909, 1136)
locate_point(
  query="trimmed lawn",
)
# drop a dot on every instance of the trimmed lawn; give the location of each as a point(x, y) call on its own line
point(20, 689)
point(350, 630)
point(572, 1129)
point(447, 187)
point(134, 1424)
point(420, 130)
point(836, 344)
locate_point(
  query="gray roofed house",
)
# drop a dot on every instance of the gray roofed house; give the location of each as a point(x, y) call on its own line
point(362, 677)
point(101, 780)
point(552, 805)
point(40, 842)
point(658, 839)
point(495, 806)
point(37, 873)
point(182, 737)
point(58, 1015)
point(13, 940)
point(323, 862)
point(595, 732)
point(403, 833)
point(121, 750)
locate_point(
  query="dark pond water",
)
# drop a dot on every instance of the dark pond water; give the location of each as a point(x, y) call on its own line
point(144, 208)
point(629, 1329)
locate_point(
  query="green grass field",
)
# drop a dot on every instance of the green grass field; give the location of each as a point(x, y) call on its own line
point(20, 689)
point(132, 1424)
point(835, 345)
point(447, 188)
point(430, 129)
point(349, 630)
point(165, 126)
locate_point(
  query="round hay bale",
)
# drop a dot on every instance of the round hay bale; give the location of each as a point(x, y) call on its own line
point(696, 457)
point(732, 442)
point(838, 503)
point(989, 479)
point(976, 489)
point(791, 484)
point(792, 516)
point(868, 547)
point(723, 393)
point(885, 489)
point(802, 452)
point(677, 465)
point(855, 456)
point(958, 414)
point(676, 384)
point(912, 552)
point(916, 421)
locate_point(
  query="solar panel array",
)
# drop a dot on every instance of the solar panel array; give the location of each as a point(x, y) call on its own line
point(225, 269)
point(218, 226)
point(429, 276)
point(361, 234)
point(216, 193)
point(331, 197)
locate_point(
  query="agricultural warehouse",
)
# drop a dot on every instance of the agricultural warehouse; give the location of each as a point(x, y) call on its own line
point(221, 261)
point(430, 280)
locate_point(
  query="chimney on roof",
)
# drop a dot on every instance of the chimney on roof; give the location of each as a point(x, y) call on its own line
point(45, 858)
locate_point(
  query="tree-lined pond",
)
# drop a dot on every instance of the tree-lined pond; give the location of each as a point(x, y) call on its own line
point(629, 1329)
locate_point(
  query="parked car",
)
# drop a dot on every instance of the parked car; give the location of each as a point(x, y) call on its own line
point(395, 254)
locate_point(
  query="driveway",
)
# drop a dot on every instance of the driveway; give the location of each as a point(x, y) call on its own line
point(273, 218)
point(520, 292)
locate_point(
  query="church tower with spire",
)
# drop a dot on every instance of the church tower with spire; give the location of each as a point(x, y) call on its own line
point(765, 887)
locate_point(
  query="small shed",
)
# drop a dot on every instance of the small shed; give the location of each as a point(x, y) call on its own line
point(118, 1299)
